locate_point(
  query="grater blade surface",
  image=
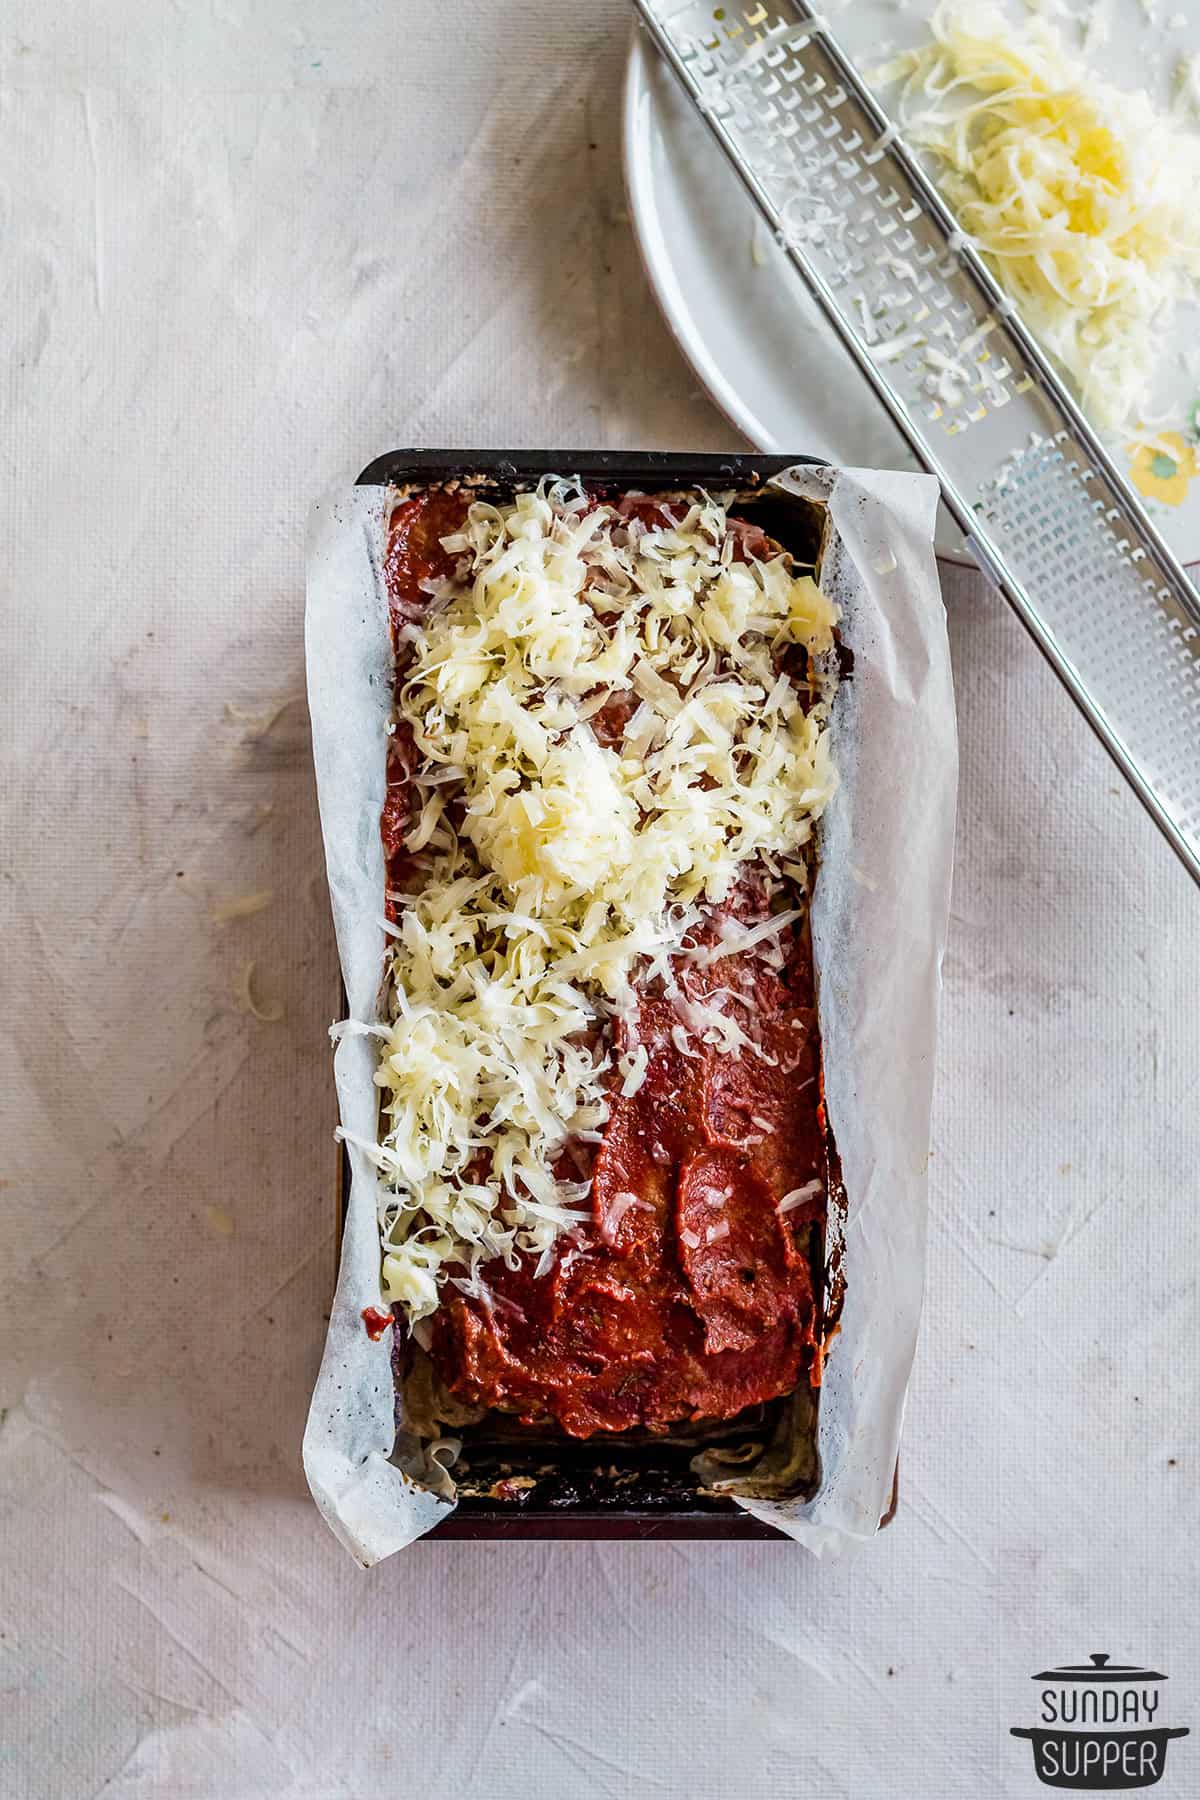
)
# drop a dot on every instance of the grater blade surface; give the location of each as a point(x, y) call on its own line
point(1045, 508)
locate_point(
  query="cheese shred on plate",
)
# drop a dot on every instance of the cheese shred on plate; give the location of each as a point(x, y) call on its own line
point(1081, 197)
point(557, 866)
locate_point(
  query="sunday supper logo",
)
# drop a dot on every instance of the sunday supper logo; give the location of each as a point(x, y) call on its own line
point(1101, 1726)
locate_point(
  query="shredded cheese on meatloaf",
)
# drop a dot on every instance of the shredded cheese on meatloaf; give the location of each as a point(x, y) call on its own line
point(557, 862)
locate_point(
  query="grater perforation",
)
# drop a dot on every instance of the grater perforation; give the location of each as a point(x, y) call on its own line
point(1046, 510)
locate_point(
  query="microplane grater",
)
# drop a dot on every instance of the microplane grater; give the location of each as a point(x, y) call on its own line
point(1044, 508)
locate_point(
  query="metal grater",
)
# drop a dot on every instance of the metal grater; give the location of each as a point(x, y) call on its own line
point(1042, 504)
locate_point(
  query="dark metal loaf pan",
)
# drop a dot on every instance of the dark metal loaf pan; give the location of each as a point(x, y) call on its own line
point(586, 1491)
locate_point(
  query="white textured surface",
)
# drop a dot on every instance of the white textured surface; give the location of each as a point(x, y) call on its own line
point(247, 247)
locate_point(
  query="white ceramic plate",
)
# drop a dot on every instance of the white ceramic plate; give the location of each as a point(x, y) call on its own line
point(741, 314)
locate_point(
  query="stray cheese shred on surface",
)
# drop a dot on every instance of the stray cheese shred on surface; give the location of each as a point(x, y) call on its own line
point(552, 872)
point(1079, 195)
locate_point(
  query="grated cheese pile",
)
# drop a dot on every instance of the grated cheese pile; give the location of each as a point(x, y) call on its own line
point(1080, 196)
point(550, 871)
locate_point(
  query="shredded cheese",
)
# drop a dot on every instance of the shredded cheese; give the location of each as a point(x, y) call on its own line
point(240, 906)
point(258, 724)
point(620, 1206)
point(1079, 195)
point(799, 1195)
point(247, 999)
point(553, 868)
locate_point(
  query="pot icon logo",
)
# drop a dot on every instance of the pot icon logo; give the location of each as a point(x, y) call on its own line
point(1100, 1727)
